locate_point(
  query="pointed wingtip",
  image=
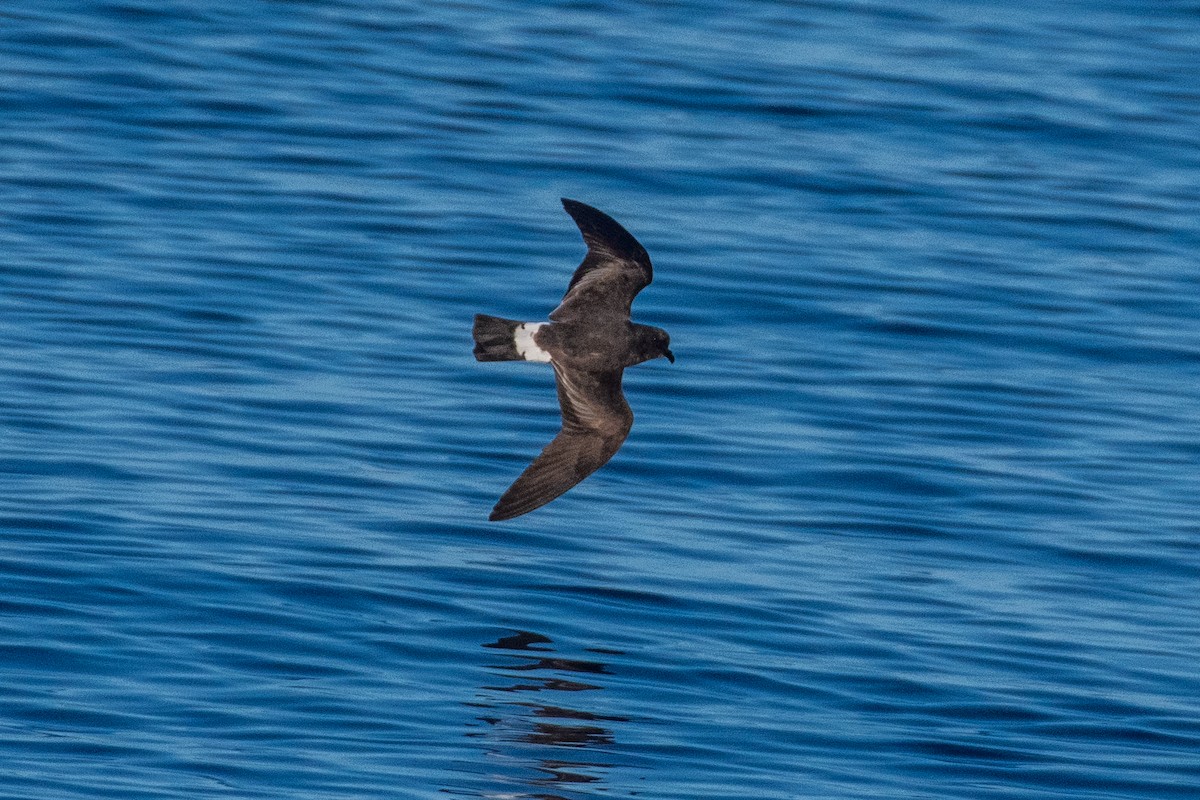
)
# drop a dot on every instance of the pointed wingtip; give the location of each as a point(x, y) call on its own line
point(601, 230)
point(577, 210)
point(508, 507)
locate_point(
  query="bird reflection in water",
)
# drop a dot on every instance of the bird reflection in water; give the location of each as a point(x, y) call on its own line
point(541, 736)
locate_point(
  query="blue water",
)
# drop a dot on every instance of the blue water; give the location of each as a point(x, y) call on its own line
point(916, 513)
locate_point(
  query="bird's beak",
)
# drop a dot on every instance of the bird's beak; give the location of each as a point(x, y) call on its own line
point(670, 356)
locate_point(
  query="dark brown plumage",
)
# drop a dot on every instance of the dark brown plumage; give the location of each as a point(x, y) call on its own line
point(589, 342)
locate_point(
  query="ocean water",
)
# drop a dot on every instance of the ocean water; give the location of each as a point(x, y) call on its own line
point(913, 515)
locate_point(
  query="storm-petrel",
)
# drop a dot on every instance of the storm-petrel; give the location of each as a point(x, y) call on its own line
point(589, 341)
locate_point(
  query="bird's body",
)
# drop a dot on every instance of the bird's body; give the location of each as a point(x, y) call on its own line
point(589, 341)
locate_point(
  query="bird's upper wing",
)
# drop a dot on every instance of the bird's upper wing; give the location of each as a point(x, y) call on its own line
point(614, 270)
point(596, 420)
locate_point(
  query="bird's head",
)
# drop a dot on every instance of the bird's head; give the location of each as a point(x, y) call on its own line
point(657, 344)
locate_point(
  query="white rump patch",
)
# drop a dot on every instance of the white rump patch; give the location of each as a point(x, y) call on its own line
point(526, 346)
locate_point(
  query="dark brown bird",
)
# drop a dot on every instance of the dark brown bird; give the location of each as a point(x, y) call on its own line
point(589, 341)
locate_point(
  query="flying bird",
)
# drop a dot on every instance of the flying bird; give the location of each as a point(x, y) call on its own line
point(589, 341)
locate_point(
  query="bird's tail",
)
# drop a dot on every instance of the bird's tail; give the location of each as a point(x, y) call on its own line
point(495, 339)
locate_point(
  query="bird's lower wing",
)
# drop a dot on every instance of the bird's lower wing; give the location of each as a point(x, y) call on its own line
point(568, 459)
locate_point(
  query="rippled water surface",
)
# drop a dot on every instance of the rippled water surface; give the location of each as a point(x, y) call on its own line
point(914, 515)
